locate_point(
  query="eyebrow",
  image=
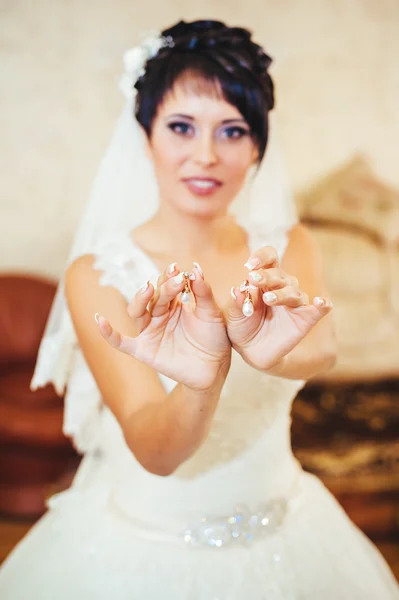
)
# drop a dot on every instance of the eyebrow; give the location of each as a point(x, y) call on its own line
point(190, 118)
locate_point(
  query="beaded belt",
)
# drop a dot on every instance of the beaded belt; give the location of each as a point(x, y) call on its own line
point(242, 526)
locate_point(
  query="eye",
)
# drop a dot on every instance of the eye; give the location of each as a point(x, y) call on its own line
point(180, 127)
point(234, 133)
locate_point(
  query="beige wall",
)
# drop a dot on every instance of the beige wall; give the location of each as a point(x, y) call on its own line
point(336, 69)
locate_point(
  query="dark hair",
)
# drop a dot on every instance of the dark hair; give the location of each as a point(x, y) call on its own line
point(221, 55)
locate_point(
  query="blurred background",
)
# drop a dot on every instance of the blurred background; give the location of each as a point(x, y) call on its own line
point(337, 80)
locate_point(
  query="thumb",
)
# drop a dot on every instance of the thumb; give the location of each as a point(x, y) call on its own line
point(234, 308)
point(205, 303)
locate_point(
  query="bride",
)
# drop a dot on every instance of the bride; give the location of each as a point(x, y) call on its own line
point(184, 327)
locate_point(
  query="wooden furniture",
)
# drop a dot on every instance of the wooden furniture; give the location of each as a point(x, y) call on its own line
point(347, 434)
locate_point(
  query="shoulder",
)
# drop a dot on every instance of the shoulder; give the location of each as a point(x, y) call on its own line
point(302, 247)
point(114, 262)
point(81, 271)
point(81, 274)
point(80, 265)
point(85, 292)
point(300, 234)
point(303, 257)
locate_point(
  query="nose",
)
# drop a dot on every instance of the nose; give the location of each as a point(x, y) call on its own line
point(205, 151)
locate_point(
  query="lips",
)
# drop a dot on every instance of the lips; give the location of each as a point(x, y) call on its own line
point(202, 186)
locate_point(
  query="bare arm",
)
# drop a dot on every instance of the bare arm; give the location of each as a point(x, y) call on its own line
point(164, 434)
point(162, 430)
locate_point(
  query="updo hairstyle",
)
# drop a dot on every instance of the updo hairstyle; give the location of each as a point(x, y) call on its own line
point(223, 56)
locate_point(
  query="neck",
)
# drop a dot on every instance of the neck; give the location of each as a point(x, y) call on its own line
point(193, 236)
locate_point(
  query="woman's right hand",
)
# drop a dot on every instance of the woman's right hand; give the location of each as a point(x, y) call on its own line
point(186, 342)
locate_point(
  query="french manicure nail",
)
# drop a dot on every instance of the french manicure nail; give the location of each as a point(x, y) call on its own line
point(232, 294)
point(197, 266)
point(252, 263)
point(97, 318)
point(254, 276)
point(144, 287)
point(269, 297)
point(320, 301)
point(172, 268)
point(178, 279)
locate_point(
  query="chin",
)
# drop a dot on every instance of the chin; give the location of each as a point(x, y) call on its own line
point(211, 206)
point(203, 208)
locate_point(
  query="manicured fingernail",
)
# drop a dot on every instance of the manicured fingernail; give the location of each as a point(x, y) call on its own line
point(232, 294)
point(269, 297)
point(172, 268)
point(197, 266)
point(254, 276)
point(252, 263)
point(320, 301)
point(144, 287)
point(97, 318)
point(178, 279)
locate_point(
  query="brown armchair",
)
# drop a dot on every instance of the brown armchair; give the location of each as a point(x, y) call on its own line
point(35, 457)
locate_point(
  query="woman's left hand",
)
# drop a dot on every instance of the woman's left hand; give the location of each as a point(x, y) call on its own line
point(282, 314)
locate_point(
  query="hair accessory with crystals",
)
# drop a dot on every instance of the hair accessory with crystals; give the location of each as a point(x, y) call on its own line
point(136, 58)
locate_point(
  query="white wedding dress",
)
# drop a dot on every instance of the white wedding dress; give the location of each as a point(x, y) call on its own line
point(240, 520)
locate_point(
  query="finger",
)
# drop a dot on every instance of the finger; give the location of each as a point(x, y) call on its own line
point(287, 296)
point(323, 305)
point(115, 339)
point(169, 272)
point(137, 308)
point(205, 303)
point(319, 308)
point(272, 279)
point(165, 294)
point(266, 257)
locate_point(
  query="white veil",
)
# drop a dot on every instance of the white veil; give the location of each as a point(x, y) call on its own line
point(264, 206)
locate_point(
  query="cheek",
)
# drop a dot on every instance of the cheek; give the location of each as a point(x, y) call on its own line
point(238, 160)
point(167, 154)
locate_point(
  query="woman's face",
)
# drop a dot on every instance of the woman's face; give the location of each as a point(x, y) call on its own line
point(201, 149)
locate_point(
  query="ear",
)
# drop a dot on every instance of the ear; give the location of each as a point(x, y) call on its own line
point(255, 156)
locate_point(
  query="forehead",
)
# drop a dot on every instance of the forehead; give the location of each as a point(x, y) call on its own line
point(198, 98)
